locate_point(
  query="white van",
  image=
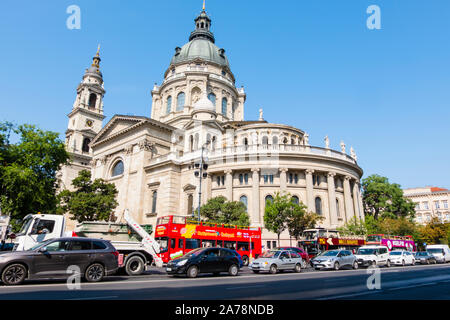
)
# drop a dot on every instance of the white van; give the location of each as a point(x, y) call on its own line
point(440, 251)
point(373, 256)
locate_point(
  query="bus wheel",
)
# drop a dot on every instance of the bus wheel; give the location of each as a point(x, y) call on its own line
point(135, 266)
point(245, 260)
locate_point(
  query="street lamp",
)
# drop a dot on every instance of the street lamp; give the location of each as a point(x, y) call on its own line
point(201, 175)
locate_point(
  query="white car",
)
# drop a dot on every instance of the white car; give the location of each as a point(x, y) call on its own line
point(440, 251)
point(402, 258)
point(373, 256)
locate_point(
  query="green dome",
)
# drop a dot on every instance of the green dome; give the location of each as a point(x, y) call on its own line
point(203, 49)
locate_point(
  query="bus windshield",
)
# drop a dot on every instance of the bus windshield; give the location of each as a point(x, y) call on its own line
point(374, 238)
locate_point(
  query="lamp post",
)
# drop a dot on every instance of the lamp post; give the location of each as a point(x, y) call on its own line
point(201, 175)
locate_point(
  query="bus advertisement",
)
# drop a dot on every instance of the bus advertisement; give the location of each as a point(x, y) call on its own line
point(178, 235)
point(392, 242)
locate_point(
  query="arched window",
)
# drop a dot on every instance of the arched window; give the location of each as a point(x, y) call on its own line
point(241, 178)
point(196, 141)
point(245, 142)
point(117, 169)
point(337, 208)
point(169, 104)
point(213, 143)
point(295, 200)
point(85, 147)
point(180, 101)
point(268, 198)
point(224, 106)
point(285, 140)
point(275, 140)
point(318, 203)
point(92, 101)
point(244, 200)
point(212, 98)
point(265, 140)
point(154, 198)
point(292, 141)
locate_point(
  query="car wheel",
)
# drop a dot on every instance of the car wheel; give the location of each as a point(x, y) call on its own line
point(428, 261)
point(233, 270)
point(14, 274)
point(374, 263)
point(403, 263)
point(298, 268)
point(355, 265)
point(336, 266)
point(255, 271)
point(94, 273)
point(192, 272)
point(388, 264)
point(134, 266)
point(273, 269)
point(245, 260)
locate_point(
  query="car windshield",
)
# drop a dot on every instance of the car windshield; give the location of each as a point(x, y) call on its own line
point(366, 251)
point(395, 253)
point(25, 226)
point(271, 254)
point(41, 244)
point(422, 253)
point(435, 250)
point(332, 253)
point(192, 253)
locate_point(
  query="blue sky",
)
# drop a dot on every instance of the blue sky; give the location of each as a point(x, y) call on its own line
point(312, 64)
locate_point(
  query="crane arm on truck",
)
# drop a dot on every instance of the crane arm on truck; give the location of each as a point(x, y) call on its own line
point(147, 241)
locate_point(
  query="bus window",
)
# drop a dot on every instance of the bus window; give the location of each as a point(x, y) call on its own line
point(180, 243)
point(163, 220)
point(220, 243)
point(172, 243)
point(243, 246)
point(192, 243)
point(179, 220)
point(163, 243)
point(253, 246)
point(208, 243)
point(230, 245)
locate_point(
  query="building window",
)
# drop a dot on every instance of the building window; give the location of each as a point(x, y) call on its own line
point(436, 204)
point(295, 200)
point(241, 178)
point(296, 178)
point(190, 205)
point(154, 198)
point(92, 101)
point(265, 140)
point(85, 147)
point(246, 178)
point(268, 198)
point(212, 98)
point(318, 203)
point(117, 169)
point(180, 101)
point(425, 205)
point(169, 104)
point(417, 206)
point(445, 203)
point(244, 200)
point(338, 209)
point(275, 140)
point(224, 106)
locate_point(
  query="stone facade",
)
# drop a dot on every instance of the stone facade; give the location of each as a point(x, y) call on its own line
point(430, 202)
point(151, 160)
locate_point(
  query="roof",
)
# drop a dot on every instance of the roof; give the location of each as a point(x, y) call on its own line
point(203, 49)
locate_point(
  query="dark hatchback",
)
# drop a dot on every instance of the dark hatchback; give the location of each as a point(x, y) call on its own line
point(205, 260)
point(55, 258)
point(424, 257)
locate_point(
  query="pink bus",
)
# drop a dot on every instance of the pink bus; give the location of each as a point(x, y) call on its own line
point(392, 242)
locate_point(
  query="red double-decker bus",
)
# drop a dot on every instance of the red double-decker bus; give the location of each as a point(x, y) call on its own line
point(178, 235)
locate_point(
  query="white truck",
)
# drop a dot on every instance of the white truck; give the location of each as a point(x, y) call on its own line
point(134, 256)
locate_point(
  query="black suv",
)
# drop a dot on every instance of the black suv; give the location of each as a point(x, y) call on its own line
point(95, 258)
point(205, 260)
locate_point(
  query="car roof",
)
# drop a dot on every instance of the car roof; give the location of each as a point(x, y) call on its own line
point(80, 238)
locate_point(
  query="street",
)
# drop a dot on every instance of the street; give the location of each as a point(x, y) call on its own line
point(410, 282)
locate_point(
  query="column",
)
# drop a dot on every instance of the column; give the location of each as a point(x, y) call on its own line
point(309, 190)
point(348, 199)
point(332, 199)
point(229, 184)
point(207, 189)
point(283, 178)
point(355, 200)
point(255, 214)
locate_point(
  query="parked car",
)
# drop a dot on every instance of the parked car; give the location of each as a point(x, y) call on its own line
point(300, 252)
point(277, 260)
point(205, 260)
point(334, 259)
point(440, 251)
point(241, 262)
point(402, 257)
point(424, 257)
point(373, 256)
point(52, 258)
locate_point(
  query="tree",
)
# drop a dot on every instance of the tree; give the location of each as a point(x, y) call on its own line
point(354, 227)
point(300, 220)
point(28, 169)
point(384, 199)
point(91, 200)
point(221, 211)
point(434, 232)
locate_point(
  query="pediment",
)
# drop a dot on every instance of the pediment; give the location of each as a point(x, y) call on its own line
point(212, 124)
point(189, 187)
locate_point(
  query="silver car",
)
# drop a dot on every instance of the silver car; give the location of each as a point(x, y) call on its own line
point(334, 259)
point(277, 260)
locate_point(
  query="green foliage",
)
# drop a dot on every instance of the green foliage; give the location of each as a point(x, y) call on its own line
point(282, 213)
point(219, 210)
point(354, 227)
point(28, 170)
point(435, 232)
point(91, 200)
point(384, 199)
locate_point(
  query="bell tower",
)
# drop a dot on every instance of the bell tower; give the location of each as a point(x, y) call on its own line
point(85, 121)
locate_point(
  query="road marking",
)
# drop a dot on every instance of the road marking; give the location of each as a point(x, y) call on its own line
point(96, 298)
point(350, 295)
point(246, 287)
point(413, 286)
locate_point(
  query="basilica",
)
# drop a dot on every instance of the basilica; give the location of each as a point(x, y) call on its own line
point(198, 113)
